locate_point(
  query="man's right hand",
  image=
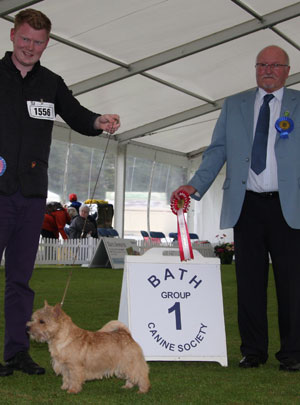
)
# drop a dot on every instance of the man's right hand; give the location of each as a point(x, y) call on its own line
point(189, 189)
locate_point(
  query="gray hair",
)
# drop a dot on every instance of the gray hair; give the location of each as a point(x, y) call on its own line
point(84, 207)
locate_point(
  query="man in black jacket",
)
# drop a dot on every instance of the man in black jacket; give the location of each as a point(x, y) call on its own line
point(82, 225)
point(30, 98)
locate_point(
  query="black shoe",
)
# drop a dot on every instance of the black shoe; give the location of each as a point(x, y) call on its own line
point(289, 365)
point(5, 371)
point(22, 361)
point(250, 361)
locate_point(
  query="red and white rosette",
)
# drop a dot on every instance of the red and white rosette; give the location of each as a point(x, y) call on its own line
point(179, 207)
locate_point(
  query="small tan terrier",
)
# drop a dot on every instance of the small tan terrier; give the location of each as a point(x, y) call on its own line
point(80, 355)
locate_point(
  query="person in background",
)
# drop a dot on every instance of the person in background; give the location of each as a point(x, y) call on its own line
point(72, 213)
point(55, 220)
point(31, 97)
point(258, 136)
point(81, 226)
point(74, 202)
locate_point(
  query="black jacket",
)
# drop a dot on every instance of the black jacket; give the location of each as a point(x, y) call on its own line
point(77, 225)
point(25, 141)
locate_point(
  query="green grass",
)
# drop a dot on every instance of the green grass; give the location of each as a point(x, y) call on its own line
point(93, 299)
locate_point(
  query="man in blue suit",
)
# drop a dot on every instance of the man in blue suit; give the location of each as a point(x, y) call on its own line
point(262, 206)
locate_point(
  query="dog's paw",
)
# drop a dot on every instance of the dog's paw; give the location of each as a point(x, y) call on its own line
point(143, 389)
point(128, 385)
point(74, 390)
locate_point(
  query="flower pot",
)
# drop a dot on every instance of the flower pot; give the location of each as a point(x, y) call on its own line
point(226, 258)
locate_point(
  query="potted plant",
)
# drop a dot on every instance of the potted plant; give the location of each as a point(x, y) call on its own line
point(224, 250)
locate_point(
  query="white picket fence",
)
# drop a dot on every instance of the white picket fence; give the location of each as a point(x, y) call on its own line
point(70, 251)
point(81, 251)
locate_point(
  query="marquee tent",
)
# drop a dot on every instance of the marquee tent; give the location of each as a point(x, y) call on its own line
point(164, 65)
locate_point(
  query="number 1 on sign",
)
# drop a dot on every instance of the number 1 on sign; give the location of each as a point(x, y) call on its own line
point(176, 308)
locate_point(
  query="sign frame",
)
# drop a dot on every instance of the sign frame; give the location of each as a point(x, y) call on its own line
point(111, 252)
point(181, 289)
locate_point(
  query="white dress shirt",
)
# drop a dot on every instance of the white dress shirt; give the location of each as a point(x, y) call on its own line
point(267, 180)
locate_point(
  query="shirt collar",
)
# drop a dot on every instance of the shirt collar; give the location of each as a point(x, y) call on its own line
point(278, 94)
point(9, 63)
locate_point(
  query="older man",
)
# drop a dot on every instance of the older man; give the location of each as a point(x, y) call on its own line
point(258, 136)
point(82, 225)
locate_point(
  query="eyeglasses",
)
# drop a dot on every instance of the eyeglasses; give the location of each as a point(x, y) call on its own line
point(270, 65)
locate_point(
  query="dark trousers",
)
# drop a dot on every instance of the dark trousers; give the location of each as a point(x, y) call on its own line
point(261, 230)
point(20, 225)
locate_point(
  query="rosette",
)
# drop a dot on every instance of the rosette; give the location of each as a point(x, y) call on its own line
point(284, 125)
point(2, 165)
point(179, 207)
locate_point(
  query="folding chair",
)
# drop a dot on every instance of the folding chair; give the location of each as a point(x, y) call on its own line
point(174, 236)
point(145, 235)
point(103, 232)
point(157, 236)
point(113, 233)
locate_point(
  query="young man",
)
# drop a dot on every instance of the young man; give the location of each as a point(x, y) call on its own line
point(261, 201)
point(30, 98)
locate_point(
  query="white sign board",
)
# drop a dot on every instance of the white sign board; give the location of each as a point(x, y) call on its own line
point(174, 309)
point(111, 252)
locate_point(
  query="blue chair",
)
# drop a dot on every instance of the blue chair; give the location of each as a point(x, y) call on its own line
point(113, 233)
point(193, 236)
point(174, 236)
point(103, 232)
point(157, 236)
point(145, 235)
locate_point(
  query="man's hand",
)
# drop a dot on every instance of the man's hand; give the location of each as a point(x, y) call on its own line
point(108, 123)
point(189, 189)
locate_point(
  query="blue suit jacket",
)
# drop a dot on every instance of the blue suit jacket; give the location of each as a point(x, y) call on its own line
point(232, 143)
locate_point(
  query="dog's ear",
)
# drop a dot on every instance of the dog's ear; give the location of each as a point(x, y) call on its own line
point(57, 311)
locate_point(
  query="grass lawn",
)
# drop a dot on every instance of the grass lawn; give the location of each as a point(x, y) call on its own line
point(93, 299)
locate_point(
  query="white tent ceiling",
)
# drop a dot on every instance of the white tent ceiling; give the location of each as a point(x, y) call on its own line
point(164, 65)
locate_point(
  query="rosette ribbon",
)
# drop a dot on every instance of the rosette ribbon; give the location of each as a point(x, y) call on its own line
point(284, 125)
point(179, 207)
point(2, 165)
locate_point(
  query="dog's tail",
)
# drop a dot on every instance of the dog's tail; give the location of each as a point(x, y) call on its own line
point(114, 325)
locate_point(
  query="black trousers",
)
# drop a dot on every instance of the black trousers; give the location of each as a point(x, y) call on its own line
point(20, 225)
point(262, 230)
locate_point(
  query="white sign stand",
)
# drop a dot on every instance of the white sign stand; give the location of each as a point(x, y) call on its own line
point(111, 252)
point(174, 309)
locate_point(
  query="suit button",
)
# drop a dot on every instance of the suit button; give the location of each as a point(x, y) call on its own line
point(243, 182)
point(247, 159)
